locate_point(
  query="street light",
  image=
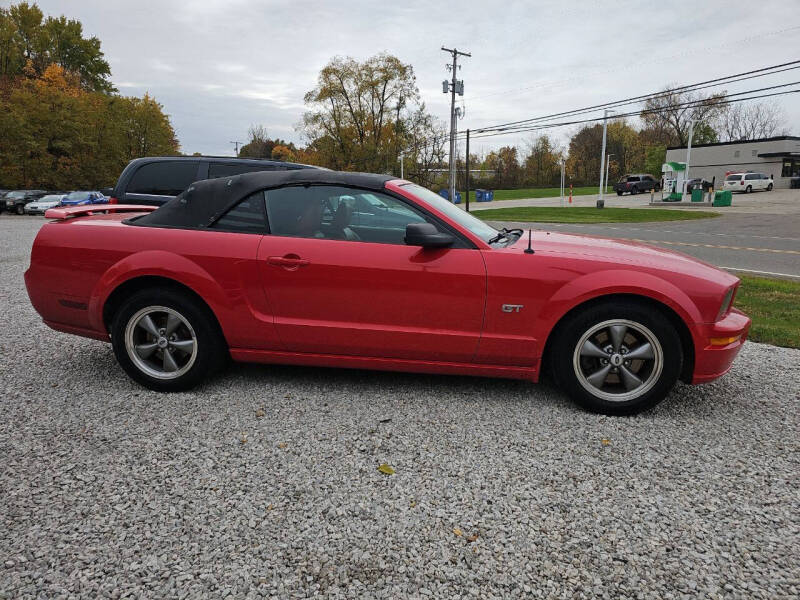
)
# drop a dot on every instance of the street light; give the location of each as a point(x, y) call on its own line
point(608, 163)
point(600, 202)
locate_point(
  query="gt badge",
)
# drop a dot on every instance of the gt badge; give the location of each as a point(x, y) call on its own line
point(512, 307)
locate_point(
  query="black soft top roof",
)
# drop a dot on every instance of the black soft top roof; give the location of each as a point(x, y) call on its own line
point(204, 201)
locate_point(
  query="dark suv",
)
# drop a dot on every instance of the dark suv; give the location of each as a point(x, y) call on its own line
point(154, 180)
point(16, 200)
point(636, 183)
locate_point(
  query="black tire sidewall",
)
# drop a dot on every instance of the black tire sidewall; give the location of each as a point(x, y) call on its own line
point(572, 330)
point(211, 349)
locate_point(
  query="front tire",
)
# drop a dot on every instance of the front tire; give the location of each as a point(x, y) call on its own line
point(167, 340)
point(617, 358)
point(20, 209)
point(769, 187)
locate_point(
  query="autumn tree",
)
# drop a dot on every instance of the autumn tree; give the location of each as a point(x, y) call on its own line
point(58, 135)
point(27, 39)
point(542, 165)
point(362, 115)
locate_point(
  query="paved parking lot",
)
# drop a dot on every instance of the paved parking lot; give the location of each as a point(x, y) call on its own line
point(265, 483)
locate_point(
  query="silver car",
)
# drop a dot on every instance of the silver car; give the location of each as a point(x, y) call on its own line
point(38, 207)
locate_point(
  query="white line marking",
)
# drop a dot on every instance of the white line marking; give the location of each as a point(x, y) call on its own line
point(761, 272)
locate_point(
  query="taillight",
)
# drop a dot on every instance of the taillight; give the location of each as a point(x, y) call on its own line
point(113, 200)
point(741, 183)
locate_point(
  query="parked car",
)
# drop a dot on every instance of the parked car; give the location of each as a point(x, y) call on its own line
point(697, 181)
point(633, 184)
point(248, 267)
point(15, 201)
point(748, 182)
point(38, 207)
point(81, 198)
point(155, 180)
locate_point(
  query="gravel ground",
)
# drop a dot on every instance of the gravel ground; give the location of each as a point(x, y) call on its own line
point(265, 482)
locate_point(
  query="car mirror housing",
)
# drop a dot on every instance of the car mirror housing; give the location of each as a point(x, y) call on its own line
point(427, 236)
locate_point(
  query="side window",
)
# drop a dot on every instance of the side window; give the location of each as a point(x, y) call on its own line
point(163, 178)
point(339, 213)
point(245, 217)
point(751, 176)
point(216, 170)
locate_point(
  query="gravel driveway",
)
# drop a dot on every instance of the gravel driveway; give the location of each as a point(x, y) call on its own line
point(265, 482)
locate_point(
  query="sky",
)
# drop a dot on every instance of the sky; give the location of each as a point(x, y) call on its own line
point(218, 67)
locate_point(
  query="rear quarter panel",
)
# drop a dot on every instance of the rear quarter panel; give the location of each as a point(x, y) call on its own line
point(76, 264)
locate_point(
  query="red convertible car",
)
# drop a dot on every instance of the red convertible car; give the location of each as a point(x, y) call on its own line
point(366, 271)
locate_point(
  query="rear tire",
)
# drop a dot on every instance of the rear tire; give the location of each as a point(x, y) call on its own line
point(748, 189)
point(634, 191)
point(619, 193)
point(167, 340)
point(769, 187)
point(589, 357)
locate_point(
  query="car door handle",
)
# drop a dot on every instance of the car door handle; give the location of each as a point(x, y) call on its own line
point(289, 261)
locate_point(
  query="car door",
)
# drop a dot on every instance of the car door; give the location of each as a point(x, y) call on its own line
point(334, 292)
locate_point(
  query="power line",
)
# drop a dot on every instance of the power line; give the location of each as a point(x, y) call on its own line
point(634, 113)
point(752, 74)
point(653, 95)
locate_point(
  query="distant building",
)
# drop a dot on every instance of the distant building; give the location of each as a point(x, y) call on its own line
point(776, 156)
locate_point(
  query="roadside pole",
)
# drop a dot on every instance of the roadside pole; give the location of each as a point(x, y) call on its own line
point(454, 86)
point(562, 183)
point(401, 165)
point(600, 201)
point(466, 183)
point(688, 157)
point(608, 162)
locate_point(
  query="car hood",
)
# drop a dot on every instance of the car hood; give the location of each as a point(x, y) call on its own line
point(623, 252)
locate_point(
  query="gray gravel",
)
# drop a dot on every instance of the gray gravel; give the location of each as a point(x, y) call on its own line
point(265, 483)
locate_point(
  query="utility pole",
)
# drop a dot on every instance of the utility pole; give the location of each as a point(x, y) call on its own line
point(467, 166)
point(688, 156)
point(600, 202)
point(455, 86)
point(608, 162)
point(236, 147)
point(563, 181)
point(401, 165)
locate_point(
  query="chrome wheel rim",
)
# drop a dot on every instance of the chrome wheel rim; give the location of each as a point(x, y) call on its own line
point(161, 342)
point(618, 360)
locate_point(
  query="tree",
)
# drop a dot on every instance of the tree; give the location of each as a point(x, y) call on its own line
point(542, 166)
point(29, 45)
point(259, 144)
point(751, 121)
point(669, 114)
point(356, 111)
point(58, 135)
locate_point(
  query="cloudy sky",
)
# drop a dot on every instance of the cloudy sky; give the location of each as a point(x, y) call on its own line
point(220, 66)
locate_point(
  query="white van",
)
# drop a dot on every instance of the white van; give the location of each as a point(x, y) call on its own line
point(747, 182)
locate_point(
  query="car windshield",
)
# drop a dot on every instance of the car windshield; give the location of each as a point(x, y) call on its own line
point(463, 218)
point(50, 199)
point(15, 195)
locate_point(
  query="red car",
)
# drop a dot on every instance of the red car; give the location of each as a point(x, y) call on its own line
point(365, 271)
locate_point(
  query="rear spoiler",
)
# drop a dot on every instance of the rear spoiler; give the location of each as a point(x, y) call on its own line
point(61, 213)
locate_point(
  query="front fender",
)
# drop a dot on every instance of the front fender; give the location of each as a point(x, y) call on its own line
point(154, 263)
point(615, 281)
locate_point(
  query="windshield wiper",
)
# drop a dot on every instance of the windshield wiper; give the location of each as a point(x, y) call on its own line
point(504, 233)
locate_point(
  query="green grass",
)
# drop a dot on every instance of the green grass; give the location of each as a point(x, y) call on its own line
point(774, 306)
point(552, 192)
point(584, 214)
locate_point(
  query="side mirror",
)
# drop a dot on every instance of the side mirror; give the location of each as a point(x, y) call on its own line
point(427, 236)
